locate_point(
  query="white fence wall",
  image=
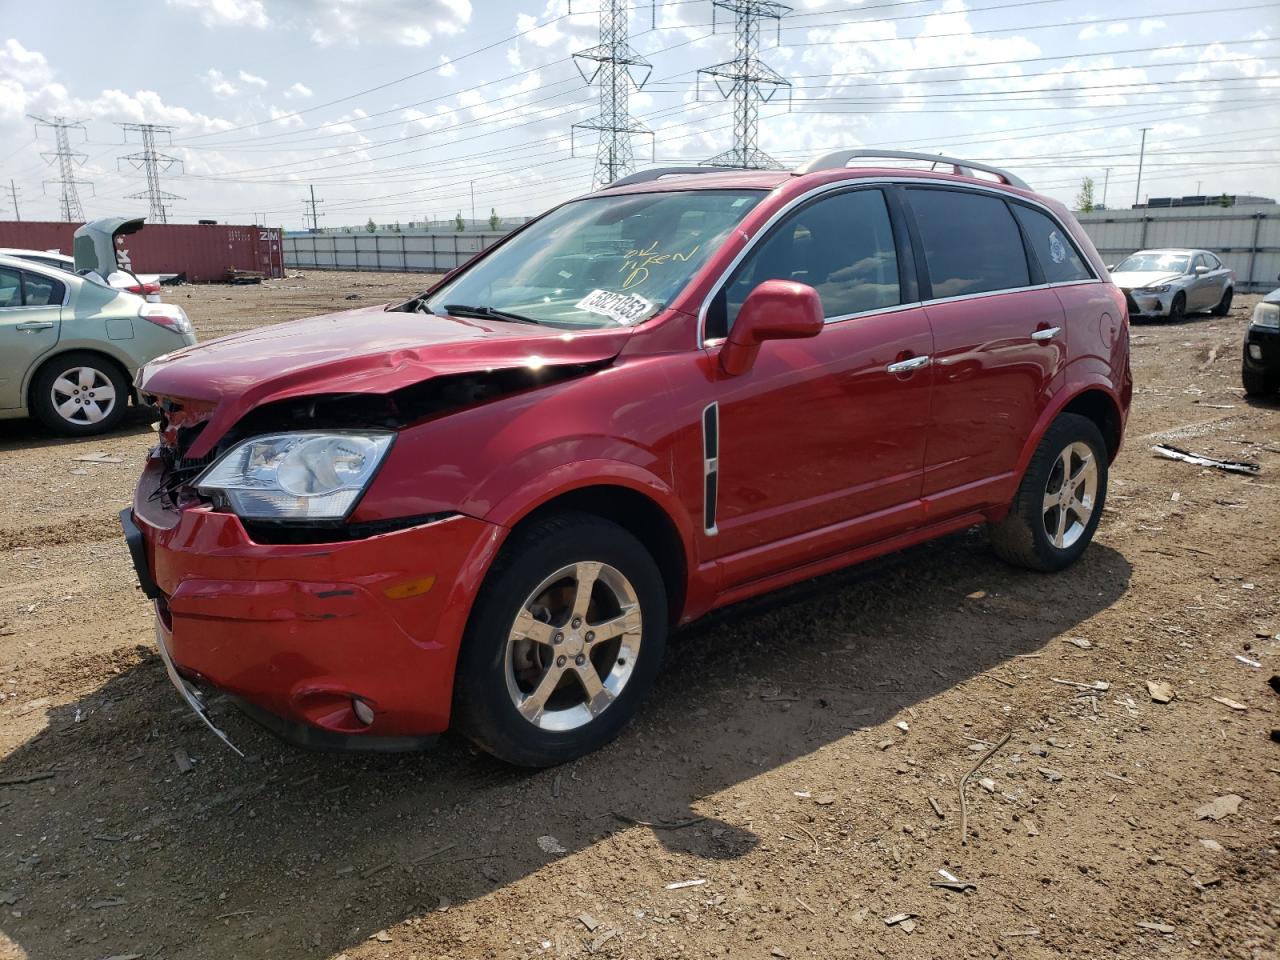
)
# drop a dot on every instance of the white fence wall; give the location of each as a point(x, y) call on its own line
point(1247, 238)
point(408, 252)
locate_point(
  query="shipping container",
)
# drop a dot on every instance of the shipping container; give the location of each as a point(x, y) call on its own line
point(203, 253)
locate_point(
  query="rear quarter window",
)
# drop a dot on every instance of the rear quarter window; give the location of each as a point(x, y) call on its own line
point(971, 242)
point(1051, 245)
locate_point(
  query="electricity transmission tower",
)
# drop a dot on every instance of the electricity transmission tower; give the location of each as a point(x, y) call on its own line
point(67, 161)
point(151, 162)
point(617, 67)
point(311, 210)
point(13, 194)
point(749, 81)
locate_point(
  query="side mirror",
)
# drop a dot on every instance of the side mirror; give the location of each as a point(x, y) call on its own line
point(1201, 270)
point(775, 310)
point(1110, 267)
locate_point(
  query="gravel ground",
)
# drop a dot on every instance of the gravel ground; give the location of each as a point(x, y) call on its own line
point(799, 762)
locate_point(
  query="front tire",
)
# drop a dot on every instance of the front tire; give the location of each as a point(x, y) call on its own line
point(1059, 502)
point(80, 394)
point(564, 642)
point(1224, 305)
point(1178, 309)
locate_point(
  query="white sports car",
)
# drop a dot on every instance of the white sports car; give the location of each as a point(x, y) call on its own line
point(1173, 283)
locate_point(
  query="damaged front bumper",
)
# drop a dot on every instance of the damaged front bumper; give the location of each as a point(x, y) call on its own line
point(1149, 304)
point(346, 644)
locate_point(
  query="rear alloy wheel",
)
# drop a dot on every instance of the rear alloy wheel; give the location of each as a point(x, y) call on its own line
point(1178, 309)
point(80, 394)
point(1224, 305)
point(1060, 500)
point(564, 642)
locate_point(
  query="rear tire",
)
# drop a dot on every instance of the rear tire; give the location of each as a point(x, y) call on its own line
point(1224, 305)
point(1258, 385)
point(534, 685)
point(80, 394)
point(1059, 501)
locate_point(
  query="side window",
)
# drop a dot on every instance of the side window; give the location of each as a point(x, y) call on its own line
point(1051, 246)
point(841, 245)
point(10, 288)
point(1213, 262)
point(1196, 261)
point(40, 291)
point(971, 242)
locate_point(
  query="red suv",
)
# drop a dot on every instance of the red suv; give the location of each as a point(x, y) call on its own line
point(486, 507)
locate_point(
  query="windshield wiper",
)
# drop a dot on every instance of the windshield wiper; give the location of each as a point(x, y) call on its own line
point(488, 313)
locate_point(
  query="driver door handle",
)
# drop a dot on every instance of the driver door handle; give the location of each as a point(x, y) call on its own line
point(1048, 334)
point(33, 325)
point(906, 366)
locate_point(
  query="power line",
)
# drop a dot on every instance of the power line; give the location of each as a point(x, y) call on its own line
point(616, 67)
point(750, 82)
point(67, 161)
point(151, 163)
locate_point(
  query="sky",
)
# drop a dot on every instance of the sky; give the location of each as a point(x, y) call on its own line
point(400, 110)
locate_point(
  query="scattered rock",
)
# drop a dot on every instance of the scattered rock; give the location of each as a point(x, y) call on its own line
point(682, 884)
point(897, 918)
point(1222, 807)
point(1209, 844)
point(381, 936)
point(1080, 642)
point(1157, 927)
point(1053, 776)
point(825, 799)
point(976, 595)
point(1231, 704)
point(987, 784)
point(549, 844)
point(1160, 691)
point(183, 761)
point(588, 921)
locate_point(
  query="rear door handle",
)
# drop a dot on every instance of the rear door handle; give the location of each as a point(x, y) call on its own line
point(34, 325)
point(1048, 334)
point(906, 366)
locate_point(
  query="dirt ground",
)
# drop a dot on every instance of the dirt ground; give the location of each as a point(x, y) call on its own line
point(818, 737)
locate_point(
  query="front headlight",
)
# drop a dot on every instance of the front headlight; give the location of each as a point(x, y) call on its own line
point(1266, 315)
point(1163, 288)
point(310, 475)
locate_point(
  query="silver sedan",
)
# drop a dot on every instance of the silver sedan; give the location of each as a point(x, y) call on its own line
point(1173, 283)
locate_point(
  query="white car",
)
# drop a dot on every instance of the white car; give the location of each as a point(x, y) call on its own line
point(143, 284)
point(1173, 283)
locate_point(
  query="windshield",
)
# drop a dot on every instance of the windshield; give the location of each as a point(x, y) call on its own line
point(1153, 263)
point(602, 261)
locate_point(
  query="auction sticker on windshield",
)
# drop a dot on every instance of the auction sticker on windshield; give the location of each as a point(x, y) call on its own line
point(625, 308)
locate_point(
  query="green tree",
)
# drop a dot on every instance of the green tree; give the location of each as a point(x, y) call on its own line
point(1225, 201)
point(371, 226)
point(1084, 199)
point(458, 223)
point(494, 220)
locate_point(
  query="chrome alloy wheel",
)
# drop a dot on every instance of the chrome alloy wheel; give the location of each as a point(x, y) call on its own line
point(573, 646)
point(1070, 495)
point(83, 395)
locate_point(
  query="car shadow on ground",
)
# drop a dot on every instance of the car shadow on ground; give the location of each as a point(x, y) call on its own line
point(294, 854)
point(28, 433)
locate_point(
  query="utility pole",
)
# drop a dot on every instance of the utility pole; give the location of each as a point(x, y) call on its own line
point(1105, 180)
point(151, 163)
point(749, 81)
point(67, 160)
point(13, 193)
point(1142, 152)
point(618, 67)
point(473, 201)
point(312, 204)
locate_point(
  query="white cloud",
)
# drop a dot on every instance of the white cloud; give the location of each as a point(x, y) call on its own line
point(219, 85)
point(405, 23)
point(298, 91)
point(226, 13)
point(1093, 30)
point(1148, 27)
point(447, 68)
point(252, 79)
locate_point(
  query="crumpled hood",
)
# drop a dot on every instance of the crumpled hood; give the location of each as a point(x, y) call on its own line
point(1131, 280)
point(368, 350)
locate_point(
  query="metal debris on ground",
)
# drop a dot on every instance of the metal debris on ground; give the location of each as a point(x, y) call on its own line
point(1231, 466)
point(1228, 702)
point(1080, 642)
point(98, 458)
point(897, 918)
point(682, 884)
point(1248, 662)
point(1226, 806)
point(588, 921)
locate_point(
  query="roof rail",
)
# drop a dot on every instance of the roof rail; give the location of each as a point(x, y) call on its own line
point(657, 173)
point(964, 168)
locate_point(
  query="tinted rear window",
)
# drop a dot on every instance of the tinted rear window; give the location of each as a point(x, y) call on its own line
point(971, 242)
point(41, 291)
point(1050, 245)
